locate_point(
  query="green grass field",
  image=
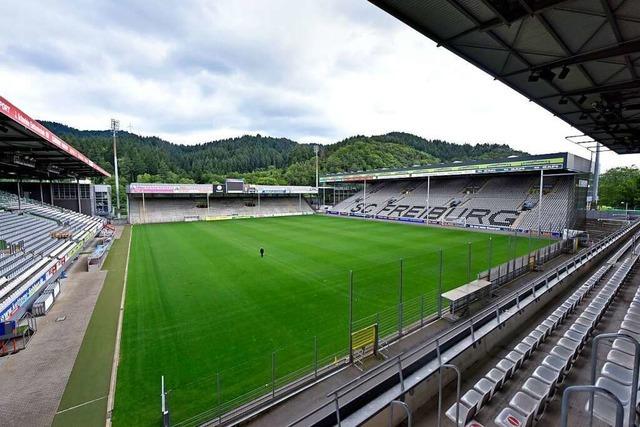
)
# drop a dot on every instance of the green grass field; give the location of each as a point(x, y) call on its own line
point(202, 307)
point(84, 402)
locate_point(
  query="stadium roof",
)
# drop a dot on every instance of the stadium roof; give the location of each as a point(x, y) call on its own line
point(558, 162)
point(579, 59)
point(29, 150)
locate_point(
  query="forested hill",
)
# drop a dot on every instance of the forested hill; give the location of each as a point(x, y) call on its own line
point(262, 159)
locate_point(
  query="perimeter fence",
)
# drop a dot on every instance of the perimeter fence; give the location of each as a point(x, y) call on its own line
point(398, 297)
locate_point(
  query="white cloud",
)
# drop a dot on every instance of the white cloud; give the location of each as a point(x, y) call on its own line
point(197, 70)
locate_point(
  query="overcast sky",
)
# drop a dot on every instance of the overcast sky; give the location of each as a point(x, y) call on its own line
point(192, 71)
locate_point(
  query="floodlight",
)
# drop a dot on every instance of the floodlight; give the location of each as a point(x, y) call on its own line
point(563, 73)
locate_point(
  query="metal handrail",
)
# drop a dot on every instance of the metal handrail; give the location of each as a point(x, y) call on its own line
point(406, 408)
point(507, 298)
point(459, 381)
point(381, 367)
point(634, 381)
point(592, 389)
point(544, 279)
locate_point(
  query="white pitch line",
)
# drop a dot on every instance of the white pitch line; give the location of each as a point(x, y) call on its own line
point(88, 402)
point(116, 350)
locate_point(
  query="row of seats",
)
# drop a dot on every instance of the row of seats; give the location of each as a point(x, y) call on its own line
point(616, 374)
point(528, 404)
point(175, 210)
point(484, 390)
point(374, 390)
point(26, 227)
point(494, 201)
point(62, 216)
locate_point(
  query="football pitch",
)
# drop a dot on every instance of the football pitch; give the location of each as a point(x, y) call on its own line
point(212, 316)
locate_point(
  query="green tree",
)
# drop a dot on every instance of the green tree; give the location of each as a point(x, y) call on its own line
point(619, 186)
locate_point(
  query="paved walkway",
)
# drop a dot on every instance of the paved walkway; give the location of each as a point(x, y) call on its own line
point(34, 379)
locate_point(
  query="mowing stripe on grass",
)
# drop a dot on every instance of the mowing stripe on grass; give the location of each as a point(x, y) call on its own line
point(83, 402)
point(223, 324)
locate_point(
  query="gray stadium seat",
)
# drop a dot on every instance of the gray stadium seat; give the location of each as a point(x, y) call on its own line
point(507, 367)
point(509, 417)
point(486, 388)
point(525, 405)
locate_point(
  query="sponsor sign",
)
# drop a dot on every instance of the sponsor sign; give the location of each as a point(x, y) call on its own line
point(280, 189)
point(18, 116)
point(138, 188)
point(548, 162)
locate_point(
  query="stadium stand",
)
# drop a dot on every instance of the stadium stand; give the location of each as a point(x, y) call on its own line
point(516, 385)
point(498, 201)
point(38, 239)
point(153, 210)
point(565, 346)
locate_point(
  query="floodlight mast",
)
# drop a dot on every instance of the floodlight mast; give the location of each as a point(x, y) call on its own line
point(316, 149)
point(596, 178)
point(115, 127)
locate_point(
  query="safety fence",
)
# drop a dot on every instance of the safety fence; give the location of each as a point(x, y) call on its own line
point(415, 283)
point(424, 360)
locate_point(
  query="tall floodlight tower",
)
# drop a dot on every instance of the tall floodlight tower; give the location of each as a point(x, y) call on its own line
point(596, 178)
point(316, 149)
point(115, 127)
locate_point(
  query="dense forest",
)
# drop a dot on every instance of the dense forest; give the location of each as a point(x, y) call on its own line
point(263, 159)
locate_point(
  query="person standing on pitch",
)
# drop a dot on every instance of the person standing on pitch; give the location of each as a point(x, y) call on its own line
point(261, 252)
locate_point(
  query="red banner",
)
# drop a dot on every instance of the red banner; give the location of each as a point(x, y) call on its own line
point(18, 116)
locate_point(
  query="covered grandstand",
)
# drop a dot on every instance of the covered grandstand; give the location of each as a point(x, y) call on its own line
point(561, 347)
point(154, 203)
point(38, 241)
point(545, 193)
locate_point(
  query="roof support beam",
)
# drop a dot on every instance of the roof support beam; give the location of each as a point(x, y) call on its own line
point(562, 44)
point(616, 31)
point(633, 84)
point(502, 19)
point(589, 12)
point(620, 49)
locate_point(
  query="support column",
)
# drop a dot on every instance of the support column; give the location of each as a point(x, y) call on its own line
point(540, 202)
point(51, 192)
point(144, 210)
point(41, 194)
point(596, 178)
point(364, 206)
point(78, 195)
point(19, 196)
point(428, 194)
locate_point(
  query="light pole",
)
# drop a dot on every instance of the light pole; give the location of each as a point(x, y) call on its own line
point(626, 209)
point(115, 127)
point(316, 149)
